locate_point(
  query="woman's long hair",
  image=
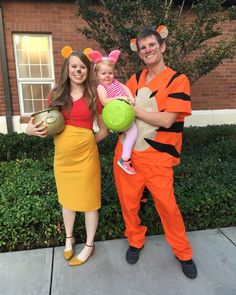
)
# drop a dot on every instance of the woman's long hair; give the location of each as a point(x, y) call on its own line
point(60, 96)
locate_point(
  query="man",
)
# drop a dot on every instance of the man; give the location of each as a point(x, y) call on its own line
point(162, 102)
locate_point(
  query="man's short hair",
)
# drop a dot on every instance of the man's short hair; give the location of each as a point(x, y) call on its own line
point(147, 33)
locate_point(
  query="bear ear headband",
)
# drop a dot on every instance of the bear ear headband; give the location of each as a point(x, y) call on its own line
point(67, 50)
point(162, 30)
point(96, 56)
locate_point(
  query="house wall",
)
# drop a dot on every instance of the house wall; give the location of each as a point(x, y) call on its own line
point(212, 95)
point(2, 102)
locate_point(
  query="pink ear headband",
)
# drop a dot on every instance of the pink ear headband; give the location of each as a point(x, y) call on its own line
point(96, 56)
point(162, 30)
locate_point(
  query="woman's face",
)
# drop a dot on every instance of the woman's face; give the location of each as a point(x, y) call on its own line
point(78, 71)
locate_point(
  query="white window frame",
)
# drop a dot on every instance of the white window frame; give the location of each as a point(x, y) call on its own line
point(20, 81)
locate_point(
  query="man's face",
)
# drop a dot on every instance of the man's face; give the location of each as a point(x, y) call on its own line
point(150, 51)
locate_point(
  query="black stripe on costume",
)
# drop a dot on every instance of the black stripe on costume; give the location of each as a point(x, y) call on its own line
point(162, 147)
point(177, 74)
point(177, 127)
point(153, 93)
point(138, 74)
point(180, 95)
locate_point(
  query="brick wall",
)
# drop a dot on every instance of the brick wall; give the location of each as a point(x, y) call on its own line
point(58, 19)
point(217, 90)
point(2, 101)
point(214, 91)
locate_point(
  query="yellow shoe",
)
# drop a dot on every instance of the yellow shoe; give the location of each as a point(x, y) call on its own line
point(69, 253)
point(75, 261)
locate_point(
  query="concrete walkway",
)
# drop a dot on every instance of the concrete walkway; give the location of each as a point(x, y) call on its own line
point(44, 271)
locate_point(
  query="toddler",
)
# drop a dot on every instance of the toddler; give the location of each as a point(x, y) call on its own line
point(109, 89)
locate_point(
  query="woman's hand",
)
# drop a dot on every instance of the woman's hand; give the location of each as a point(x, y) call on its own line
point(103, 131)
point(37, 129)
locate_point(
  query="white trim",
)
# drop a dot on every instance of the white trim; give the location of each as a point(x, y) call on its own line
point(32, 81)
point(211, 117)
point(198, 118)
point(17, 126)
point(3, 125)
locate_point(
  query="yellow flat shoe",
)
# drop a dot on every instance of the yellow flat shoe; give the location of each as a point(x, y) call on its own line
point(69, 253)
point(75, 261)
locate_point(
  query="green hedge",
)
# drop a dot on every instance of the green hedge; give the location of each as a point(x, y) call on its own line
point(21, 146)
point(30, 216)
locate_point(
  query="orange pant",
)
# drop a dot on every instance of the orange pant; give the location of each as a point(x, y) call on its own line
point(159, 181)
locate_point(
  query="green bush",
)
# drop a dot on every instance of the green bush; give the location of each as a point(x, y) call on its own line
point(30, 216)
point(20, 146)
point(29, 209)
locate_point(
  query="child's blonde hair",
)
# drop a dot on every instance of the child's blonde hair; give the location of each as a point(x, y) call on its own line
point(103, 62)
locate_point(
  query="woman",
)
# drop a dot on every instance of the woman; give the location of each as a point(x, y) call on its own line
point(76, 160)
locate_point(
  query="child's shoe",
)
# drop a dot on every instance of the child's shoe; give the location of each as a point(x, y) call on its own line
point(126, 166)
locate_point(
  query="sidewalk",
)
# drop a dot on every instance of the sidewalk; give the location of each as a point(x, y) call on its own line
point(44, 271)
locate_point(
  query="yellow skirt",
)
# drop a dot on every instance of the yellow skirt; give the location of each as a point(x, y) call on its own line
point(77, 169)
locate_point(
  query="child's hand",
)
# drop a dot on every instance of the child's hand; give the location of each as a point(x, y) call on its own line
point(131, 100)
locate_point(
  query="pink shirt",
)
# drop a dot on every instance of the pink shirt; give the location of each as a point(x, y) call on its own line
point(115, 89)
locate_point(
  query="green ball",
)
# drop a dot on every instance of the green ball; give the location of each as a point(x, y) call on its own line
point(118, 115)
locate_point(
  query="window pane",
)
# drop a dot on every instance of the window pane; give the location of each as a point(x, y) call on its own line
point(24, 71)
point(46, 71)
point(28, 106)
point(37, 93)
point(22, 57)
point(38, 106)
point(26, 91)
point(46, 90)
point(22, 42)
point(35, 97)
point(45, 104)
point(33, 50)
point(34, 57)
point(35, 72)
point(45, 57)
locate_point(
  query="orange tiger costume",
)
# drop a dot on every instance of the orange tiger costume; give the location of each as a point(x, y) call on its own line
point(155, 152)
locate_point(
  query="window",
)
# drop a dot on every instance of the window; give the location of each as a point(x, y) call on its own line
point(35, 70)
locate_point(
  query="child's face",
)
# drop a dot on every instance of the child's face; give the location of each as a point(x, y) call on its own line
point(105, 74)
